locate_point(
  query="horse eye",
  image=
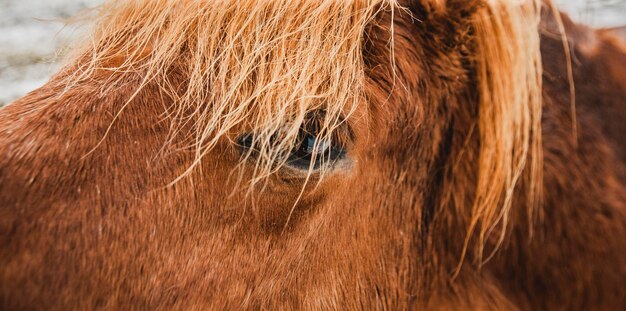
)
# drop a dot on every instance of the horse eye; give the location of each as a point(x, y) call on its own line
point(311, 148)
point(314, 147)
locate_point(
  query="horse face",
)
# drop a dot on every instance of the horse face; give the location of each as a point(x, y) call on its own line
point(336, 155)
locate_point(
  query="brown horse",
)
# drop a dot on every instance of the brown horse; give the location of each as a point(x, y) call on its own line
point(328, 154)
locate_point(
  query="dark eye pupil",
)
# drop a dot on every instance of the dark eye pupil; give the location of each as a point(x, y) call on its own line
point(313, 148)
point(311, 145)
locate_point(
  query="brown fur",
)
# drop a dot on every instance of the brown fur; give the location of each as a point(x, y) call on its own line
point(432, 210)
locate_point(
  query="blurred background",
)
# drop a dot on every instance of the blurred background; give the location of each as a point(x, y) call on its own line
point(32, 34)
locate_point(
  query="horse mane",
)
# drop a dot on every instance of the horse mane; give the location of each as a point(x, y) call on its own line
point(253, 66)
point(509, 80)
point(262, 67)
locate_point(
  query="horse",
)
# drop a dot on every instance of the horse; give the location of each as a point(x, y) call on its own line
point(320, 155)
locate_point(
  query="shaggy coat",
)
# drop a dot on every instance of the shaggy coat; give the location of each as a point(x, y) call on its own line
point(480, 161)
